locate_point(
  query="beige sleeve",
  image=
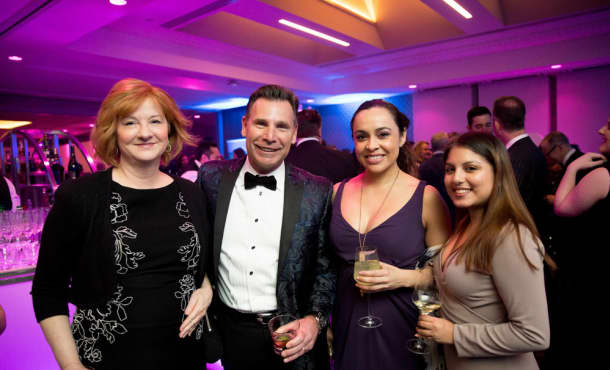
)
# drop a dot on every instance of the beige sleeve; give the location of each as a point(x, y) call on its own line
point(521, 289)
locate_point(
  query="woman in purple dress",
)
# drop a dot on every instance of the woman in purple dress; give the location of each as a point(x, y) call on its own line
point(388, 209)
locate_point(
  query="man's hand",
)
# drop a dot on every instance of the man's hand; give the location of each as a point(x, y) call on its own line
point(304, 340)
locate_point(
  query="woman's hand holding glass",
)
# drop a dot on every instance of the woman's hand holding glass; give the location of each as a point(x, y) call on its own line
point(438, 329)
point(388, 277)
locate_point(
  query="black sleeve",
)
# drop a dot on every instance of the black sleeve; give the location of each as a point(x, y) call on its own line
point(50, 288)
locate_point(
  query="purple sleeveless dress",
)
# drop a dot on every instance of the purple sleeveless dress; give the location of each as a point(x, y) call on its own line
point(399, 241)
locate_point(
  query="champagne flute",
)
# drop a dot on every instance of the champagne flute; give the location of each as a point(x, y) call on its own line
point(427, 301)
point(367, 259)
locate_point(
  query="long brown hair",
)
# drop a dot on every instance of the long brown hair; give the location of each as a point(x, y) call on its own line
point(505, 206)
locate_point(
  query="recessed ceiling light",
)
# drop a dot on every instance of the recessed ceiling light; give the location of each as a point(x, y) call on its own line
point(369, 15)
point(458, 8)
point(309, 101)
point(556, 66)
point(118, 2)
point(413, 86)
point(7, 125)
point(313, 32)
point(196, 116)
point(15, 58)
point(224, 104)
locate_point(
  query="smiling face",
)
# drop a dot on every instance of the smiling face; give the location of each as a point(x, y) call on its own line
point(469, 178)
point(269, 129)
point(142, 137)
point(377, 139)
point(604, 131)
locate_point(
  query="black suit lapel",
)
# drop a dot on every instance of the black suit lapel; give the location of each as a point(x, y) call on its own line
point(293, 194)
point(225, 189)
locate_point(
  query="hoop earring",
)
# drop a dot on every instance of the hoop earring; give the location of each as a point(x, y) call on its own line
point(169, 148)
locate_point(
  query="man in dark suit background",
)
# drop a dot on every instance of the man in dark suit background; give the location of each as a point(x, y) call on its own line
point(557, 149)
point(479, 119)
point(310, 155)
point(432, 170)
point(528, 161)
point(270, 251)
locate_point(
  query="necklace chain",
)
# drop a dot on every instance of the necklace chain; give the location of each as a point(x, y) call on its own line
point(362, 237)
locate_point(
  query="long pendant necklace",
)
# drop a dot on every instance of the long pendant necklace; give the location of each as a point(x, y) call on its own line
point(362, 237)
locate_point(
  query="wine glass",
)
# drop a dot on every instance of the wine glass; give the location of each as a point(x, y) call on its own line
point(367, 259)
point(427, 301)
point(283, 328)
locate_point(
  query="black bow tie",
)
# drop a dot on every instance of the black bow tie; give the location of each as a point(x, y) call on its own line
point(250, 181)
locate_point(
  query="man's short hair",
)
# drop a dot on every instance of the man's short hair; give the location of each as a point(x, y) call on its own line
point(439, 141)
point(509, 111)
point(475, 112)
point(556, 138)
point(310, 123)
point(205, 147)
point(274, 92)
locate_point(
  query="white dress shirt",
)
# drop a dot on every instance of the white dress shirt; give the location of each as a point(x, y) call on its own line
point(304, 139)
point(251, 243)
point(567, 156)
point(515, 139)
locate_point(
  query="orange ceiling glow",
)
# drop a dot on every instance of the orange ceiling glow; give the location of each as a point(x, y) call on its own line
point(362, 8)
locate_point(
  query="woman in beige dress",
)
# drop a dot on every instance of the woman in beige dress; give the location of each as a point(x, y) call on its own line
point(489, 273)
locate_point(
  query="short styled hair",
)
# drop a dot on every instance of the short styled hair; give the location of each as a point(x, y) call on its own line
point(509, 111)
point(439, 141)
point(205, 147)
point(123, 99)
point(475, 112)
point(310, 123)
point(556, 138)
point(274, 92)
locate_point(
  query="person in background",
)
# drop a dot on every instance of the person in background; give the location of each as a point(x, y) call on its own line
point(206, 151)
point(271, 250)
point(422, 152)
point(585, 206)
point(310, 155)
point(489, 273)
point(479, 120)
point(529, 164)
point(239, 153)
point(401, 217)
point(127, 246)
point(9, 199)
point(432, 170)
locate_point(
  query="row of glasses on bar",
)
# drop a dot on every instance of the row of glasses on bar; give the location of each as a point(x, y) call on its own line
point(20, 237)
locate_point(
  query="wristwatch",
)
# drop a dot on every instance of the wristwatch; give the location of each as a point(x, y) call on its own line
point(321, 320)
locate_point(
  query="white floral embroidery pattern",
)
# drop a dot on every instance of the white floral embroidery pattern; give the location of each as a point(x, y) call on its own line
point(181, 207)
point(124, 258)
point(190, 251)
point(89, 324)
point(118, 210)
point(190, 255)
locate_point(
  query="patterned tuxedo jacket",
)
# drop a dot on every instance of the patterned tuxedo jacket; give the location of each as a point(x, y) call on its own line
point(306, 276)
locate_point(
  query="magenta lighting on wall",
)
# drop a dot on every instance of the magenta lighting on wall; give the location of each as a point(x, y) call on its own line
point(118, 2)
point(556, 66)
point(313, 32)
point(15, 58)
point(458, 8)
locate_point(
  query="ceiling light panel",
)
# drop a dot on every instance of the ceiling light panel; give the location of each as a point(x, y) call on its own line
point(361, 8)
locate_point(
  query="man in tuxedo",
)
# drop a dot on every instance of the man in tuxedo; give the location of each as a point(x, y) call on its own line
point(271, 251)
point(528, 161)
point(310, 155)
point(557, 149)
point(432, 170)
point(479, 119)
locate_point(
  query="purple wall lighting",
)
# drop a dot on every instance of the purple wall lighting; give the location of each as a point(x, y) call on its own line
point(15, 58)
point(556, 66)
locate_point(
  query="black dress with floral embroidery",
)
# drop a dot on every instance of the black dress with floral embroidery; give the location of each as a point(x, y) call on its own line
point(156, 250)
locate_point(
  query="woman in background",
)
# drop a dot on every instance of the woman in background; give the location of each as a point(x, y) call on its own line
point(401, 217)
point(489, 273)
point(127, 246)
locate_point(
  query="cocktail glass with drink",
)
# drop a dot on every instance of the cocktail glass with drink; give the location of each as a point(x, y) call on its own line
point(283, 328)
point(427, 301)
